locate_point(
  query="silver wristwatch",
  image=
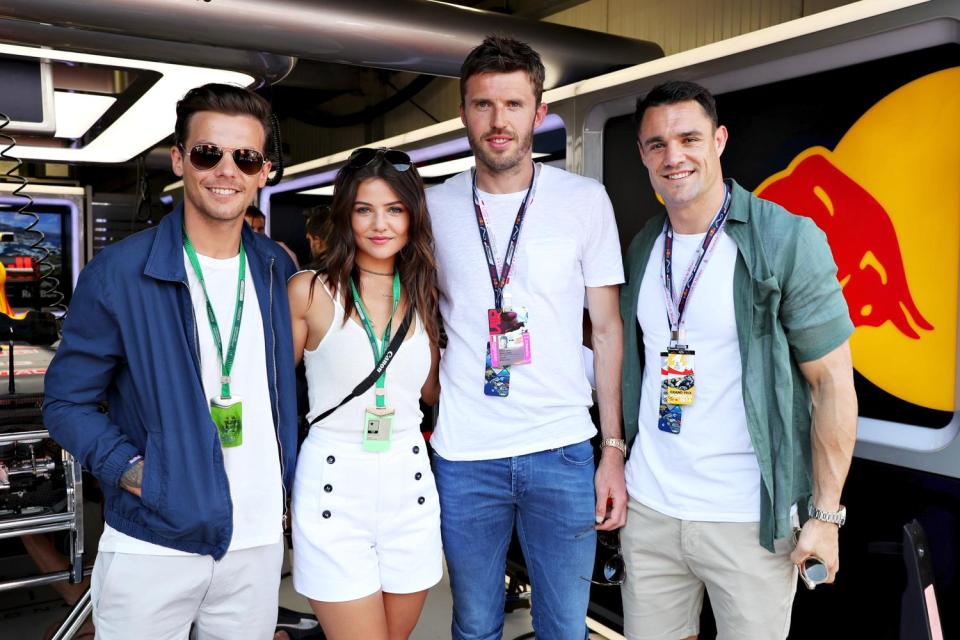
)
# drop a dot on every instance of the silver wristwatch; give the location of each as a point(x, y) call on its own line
point(835, 517)
point(618, 443)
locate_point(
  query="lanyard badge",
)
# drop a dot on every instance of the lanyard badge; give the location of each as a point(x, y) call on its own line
point(378, 419)
point(677, 388)
point(508, 341)
point(226, 410)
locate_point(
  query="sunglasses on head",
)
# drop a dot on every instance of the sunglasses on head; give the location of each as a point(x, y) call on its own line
point(206, 156)
point(399, 160)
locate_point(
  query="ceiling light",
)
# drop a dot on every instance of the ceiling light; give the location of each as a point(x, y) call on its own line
point(77, 112)
point(319, 191)
point(144, 124)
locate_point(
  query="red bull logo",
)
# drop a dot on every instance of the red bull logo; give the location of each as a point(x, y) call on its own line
point(861, 236)
point(888, 199)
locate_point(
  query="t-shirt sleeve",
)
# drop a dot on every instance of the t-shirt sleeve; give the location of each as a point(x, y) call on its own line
point(814, 312)
point(601, 261)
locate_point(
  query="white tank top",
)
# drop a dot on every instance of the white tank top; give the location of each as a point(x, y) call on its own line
point(344, 358)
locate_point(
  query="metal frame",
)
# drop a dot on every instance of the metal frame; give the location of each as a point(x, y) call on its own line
point(70, 520)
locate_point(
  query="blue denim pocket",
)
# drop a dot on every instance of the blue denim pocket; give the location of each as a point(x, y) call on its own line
point(579, 454)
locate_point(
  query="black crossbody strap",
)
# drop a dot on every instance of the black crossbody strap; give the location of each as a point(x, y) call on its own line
point(367, 382)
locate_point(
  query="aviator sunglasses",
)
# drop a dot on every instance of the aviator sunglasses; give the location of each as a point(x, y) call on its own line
point(614, 569)
point(399, 160)
point(206, 156)
point(813, 570)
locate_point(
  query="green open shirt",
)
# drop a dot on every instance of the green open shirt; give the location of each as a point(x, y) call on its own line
point(789, 309)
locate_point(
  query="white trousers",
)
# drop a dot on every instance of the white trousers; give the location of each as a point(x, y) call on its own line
point(153, 597)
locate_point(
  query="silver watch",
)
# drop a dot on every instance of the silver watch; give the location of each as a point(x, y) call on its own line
point(836, 517)
point(618, 443)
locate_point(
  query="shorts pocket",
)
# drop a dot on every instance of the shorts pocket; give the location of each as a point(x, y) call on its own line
point(101, 575)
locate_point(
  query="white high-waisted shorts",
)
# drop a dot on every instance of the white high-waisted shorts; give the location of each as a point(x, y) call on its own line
point(364, 522)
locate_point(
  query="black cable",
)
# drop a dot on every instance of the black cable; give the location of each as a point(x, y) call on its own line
point(41, 254)
point(144, 198)
point(277, 151)
point(413, 102)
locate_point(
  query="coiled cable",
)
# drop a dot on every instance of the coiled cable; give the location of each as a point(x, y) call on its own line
point(49, 285)
point(277, 151)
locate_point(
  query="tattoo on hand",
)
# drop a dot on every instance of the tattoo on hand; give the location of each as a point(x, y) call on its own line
point(132, 478)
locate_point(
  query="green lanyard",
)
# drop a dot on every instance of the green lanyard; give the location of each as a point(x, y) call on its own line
point(385, 341)
point(226, 364)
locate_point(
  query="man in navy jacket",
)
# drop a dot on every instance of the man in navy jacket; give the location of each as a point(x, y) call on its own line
point(174, 385)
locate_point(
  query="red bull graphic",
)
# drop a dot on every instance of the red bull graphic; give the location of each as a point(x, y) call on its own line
point(861, 236)
point(888, 199)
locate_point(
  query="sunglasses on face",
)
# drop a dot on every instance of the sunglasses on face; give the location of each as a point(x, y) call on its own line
point(399, 160)
point(206, 156)
point(614, 569)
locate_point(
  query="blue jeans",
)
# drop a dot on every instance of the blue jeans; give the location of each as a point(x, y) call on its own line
point(550, 497)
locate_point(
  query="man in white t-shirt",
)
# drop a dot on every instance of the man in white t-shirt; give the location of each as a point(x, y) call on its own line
point(734, 322)
point(173, 384)
point(513, 435)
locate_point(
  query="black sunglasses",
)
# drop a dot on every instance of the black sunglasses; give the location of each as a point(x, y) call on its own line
point(397, 159)
point(614, 569)
point(206, 156)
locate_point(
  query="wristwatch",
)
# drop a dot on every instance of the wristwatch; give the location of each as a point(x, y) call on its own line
point(835, 517)
point(618, 443)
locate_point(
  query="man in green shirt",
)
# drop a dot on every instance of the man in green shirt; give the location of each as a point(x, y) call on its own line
point(738, 395)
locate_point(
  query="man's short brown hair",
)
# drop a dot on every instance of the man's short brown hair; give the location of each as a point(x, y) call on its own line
point(222, 98)
point(501, 54)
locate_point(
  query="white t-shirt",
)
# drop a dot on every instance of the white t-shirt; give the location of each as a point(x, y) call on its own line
point(568, 241)
point(708, 471)
point(253, 468)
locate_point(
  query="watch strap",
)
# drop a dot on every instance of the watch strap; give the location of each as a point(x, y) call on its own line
point(834, 517)
point(617, 443)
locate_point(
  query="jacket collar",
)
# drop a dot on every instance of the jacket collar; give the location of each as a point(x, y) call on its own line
point(165, 261)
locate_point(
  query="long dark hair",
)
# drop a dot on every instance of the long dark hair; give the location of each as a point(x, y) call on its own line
point(415, 261)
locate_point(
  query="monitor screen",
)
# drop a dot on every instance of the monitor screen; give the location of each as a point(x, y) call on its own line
point(36, 261)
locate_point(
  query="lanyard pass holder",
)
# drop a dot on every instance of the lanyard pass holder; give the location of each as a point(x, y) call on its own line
point(378, 419)
point(378, 424)
point(227, 413)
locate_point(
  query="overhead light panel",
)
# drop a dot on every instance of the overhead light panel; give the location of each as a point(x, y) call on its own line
point(148, 121)
point(77, 112)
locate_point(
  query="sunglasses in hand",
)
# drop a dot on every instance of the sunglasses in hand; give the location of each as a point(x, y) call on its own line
point(614, 569)
point(813, 570)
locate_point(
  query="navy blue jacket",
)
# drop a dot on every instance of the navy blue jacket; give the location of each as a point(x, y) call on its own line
point(130, 341)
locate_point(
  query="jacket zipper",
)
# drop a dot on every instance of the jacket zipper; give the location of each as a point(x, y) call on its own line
point(276, 403)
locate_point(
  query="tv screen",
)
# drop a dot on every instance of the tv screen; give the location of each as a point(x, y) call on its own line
point(36, 261)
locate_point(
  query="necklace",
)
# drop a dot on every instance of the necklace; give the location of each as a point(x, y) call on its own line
point(376, 273)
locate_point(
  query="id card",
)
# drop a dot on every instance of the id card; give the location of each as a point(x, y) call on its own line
point(676, 370)
point(496, 380)
point(676, 388)
point(509, 337)
point(227, 414)
point(377, 427)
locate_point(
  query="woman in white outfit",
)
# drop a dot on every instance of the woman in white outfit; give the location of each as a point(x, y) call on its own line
point(366, 517)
